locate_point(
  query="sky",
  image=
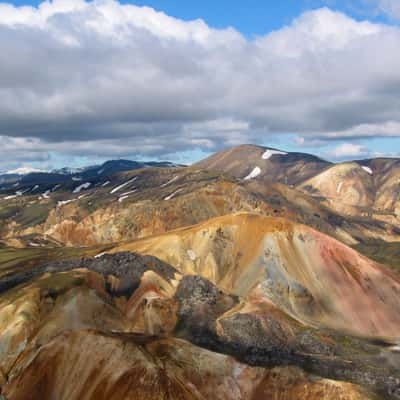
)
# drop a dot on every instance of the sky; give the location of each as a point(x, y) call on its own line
point(86, 81)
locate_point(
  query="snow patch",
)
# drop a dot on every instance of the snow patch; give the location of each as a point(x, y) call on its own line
point(170, 181)
point(20, 192)
point(367, 169)
point(65, 202)
point(123, 185)
point(126, 195)
point(35, 188)
point(101, 171)
point(269, 153)
point(339, 188)
point(172, 194)
point(82, 187)
point(105, 183)
point(46, 194)
point(253, 174)
point(100, 255)
point(75, 179)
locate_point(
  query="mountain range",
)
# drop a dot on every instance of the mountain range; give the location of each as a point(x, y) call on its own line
point(253, 274)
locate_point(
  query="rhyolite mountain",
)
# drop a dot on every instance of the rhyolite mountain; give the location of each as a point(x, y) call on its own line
point(230, 279)
point(131, 326)
point(343, 200)
point(265, 164)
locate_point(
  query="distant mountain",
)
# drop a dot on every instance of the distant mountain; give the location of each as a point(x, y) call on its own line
point(265, 164)
point(68, 170)
point(113, 166)
point(110, 167)
point(355, 202)
point(361, 187)
point(16, 174)
point(9, 178)
point(366, 184)
point(65, 177)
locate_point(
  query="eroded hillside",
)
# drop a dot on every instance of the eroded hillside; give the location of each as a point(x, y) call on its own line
point(155, 200)
point(229, 279)
point(311, 276)
point(128, 326)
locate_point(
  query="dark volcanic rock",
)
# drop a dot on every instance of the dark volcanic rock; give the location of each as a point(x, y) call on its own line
point(201, 303)
point(128, 267)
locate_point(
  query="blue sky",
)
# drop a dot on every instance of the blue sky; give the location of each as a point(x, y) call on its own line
point(251, 17)
point(73, 95)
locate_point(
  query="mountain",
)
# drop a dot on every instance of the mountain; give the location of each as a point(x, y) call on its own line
point(9, 178)
point(154, 200)
point(24, 177)
point(312, 277)
point(230, 279)
point(350, 188)
point(13, 176)
point(133, 326)
point(147, 201)
point(112, 167)
point(367, 186)
point(265, 164)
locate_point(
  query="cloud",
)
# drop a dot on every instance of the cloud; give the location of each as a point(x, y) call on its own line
point(17, 151)
point(390, 129)
point(390, 7)
point(349, 150)
point(105, 79)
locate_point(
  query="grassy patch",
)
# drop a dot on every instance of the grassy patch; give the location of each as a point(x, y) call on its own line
point(8, 211)
point(34, 214)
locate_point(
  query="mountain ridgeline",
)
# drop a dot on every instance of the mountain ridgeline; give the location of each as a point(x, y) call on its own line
point(244, 276)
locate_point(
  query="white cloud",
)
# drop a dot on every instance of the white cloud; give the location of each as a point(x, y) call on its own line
point(384, 129)
point(102, 78)
point(349, 150)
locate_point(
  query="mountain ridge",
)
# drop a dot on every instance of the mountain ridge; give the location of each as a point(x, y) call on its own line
point(230, 279)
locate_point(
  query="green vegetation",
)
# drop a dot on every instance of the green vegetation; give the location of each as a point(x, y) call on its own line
point(24, 214)
point(382, 252)
point(8, 211)
point(34, 214)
